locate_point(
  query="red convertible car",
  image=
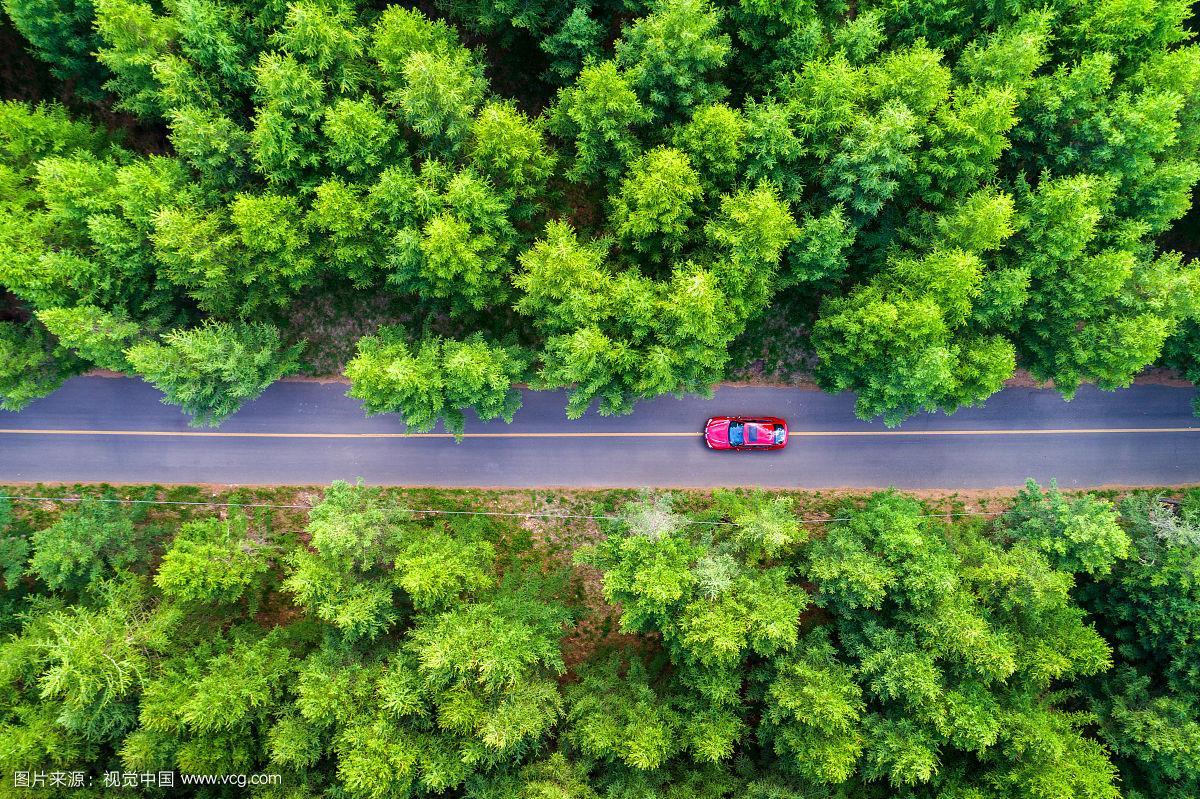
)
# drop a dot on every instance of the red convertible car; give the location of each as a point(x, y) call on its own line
point(745, 432)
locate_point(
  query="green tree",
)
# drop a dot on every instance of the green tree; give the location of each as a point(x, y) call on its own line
point(936, 630)
point(212, 561)
point(773, 150)
point(876, 153)
point(713, 140)
point(557, 272)
point(94, 335)
point(672, 54)
point(93, 665)
point(452, 261)
point(437, 380)
point(399, 33)
point(594, 366)
point(207, 707)
point(598, 114)
point(509, 149)
point(1098, 308)
point(818, 256)
point(344, 580)
point(349, 232)
point(83, 547)
point(283, 142)
point(713, 613)
point(1147, 606)
point(615, 714)
point(901, 344)
point(325, 36)
point(213, 144)
point(752, 229)
point(489, 667)
point(211, 370)
point(1080, 536)
point(576, 42)
point(28, 367)
point(62, 34)
point(133, 38)
point(655, 203)
point(439, 96)
point(357, 134)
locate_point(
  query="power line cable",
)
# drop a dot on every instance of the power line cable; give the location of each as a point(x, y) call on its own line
point(438, 511)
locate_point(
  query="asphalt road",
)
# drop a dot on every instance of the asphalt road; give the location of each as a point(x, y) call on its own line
point(107, 429)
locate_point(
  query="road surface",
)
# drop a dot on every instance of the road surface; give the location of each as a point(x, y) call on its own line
point(116, 429)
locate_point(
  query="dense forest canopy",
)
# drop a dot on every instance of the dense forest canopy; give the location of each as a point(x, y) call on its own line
point(362, 651)
point(608, 196)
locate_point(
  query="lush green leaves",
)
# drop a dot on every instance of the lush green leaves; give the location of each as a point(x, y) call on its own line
point(210, 371)
point(212, 561)
point(598, 114)
point(671, 55)
point(83, 547)
point(28, 368)
point(652, 210)
point(438, 379)
point(895, 651)
point(917, 195)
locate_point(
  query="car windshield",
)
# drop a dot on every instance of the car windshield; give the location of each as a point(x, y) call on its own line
point(737, 432)
point(780, 432)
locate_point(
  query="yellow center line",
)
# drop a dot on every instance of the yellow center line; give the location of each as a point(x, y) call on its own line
point(625, 434)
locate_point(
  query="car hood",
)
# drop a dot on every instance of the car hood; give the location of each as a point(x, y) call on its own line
point(717, 431)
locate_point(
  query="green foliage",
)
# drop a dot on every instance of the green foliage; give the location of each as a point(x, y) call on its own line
point(399, 32)
point(93, 334)
point(342, 579)
point(1080, 536)
point(713, 140)
point(1093, 312)
point(576, 42)
point(814, 712)
point(895, 652)
point(959, 188)
point(439, 94)
point(599, 324)
point(1182, 353)
point(598, 113)
point(935, 630)
point(437, 380)
point(14, 549)
point(619, 717)
point(875, 154)
point(83, 547)
point(365, 549)
point(133, 37)
point(92, 664)
point(61, 33)
point(210, 371)
point(487, 664)
point(652, 210)
point(510, 151)
point(672, 54)
point(1148, 606)
point(751, 229)
point(902, 342)
point(28, 367)
point(457, 256)
point(357, 135)
point(766, 525)
point(212, 561)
